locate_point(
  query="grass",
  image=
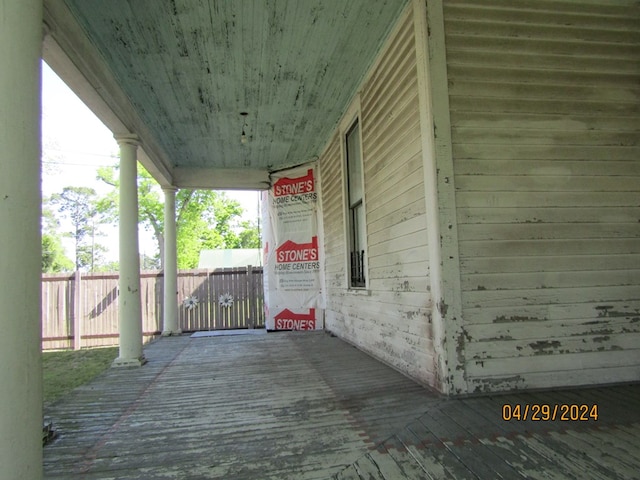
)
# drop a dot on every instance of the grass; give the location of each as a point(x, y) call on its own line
point(63, 371)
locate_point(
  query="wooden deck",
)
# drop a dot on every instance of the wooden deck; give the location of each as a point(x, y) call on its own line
point(308, 406)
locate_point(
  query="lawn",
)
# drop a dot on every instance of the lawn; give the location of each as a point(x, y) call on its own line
point(66, 370)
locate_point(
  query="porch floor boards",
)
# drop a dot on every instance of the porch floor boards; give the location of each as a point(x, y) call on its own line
point(305, 405)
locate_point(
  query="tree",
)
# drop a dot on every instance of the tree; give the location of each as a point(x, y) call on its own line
point(249, 236)
point(204, 218)
point(109, 266)
point(54, 259)
point(79, 205)
point(91, 255)
point(149, 263)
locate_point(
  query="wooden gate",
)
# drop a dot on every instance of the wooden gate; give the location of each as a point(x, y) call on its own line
point(222, 299)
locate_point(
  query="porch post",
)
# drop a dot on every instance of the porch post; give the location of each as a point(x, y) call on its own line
point(170, 324)
point(20, 255)
point(129, 307)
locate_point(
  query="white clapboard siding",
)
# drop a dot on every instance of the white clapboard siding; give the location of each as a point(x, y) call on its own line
point(390, 319)
point(545, 125)
point(333, 212)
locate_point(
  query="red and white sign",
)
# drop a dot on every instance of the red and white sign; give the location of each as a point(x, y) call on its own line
point(288, 320)
point(293, 253)
point(294, 186)
point(297, 252)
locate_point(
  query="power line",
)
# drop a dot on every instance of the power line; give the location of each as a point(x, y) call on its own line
point(92, 165)
point(77, 152)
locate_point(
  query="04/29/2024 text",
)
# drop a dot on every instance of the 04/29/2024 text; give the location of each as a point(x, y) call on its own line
point(546, 412)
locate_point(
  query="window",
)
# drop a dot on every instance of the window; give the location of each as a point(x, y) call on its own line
point(356, 218)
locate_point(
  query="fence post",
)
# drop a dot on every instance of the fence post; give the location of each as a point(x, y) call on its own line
point(77, 312)
point(250, 296)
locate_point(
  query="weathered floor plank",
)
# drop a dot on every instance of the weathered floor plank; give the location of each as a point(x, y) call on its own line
point(234, 407)
point(410, 468)
point(308, 406)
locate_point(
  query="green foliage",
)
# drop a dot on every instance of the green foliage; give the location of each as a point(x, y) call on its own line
point(249, 236)
point(53, 258)
point(91, 256)
point(108, 267)
point(205, 219)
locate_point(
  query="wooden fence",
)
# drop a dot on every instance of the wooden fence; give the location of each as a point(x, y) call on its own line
point(83, 312)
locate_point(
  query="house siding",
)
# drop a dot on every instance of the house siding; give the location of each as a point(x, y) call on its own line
point(545, 122)
point(390, 319)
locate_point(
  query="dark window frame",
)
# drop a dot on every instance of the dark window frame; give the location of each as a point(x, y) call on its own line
point(355, 207)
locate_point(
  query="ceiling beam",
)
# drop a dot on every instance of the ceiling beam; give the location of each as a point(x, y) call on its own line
point(221, 178)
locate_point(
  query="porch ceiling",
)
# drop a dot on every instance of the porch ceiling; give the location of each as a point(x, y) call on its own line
point(180, 72)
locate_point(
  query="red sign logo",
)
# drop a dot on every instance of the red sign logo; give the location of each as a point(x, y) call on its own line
point(290, 251)
point(288, 320)
point(294, 186)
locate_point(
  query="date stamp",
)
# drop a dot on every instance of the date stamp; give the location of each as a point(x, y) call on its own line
point(564, 412)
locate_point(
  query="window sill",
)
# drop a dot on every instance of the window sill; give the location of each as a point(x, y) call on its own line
point(359, 291)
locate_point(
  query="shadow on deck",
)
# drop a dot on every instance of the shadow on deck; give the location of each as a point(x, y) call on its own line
point(309, 406)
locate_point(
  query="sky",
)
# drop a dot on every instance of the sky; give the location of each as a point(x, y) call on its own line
point(75, 143)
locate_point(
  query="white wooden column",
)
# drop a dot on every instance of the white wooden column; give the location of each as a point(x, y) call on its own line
point(170, 324)
point(129, 307)
point(20, 244)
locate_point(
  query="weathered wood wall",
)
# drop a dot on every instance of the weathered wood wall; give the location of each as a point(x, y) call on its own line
point(545, 113)
point(96, 309)
point(390, 318)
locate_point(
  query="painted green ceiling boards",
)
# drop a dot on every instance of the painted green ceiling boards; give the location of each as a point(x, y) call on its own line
point(189, 67)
